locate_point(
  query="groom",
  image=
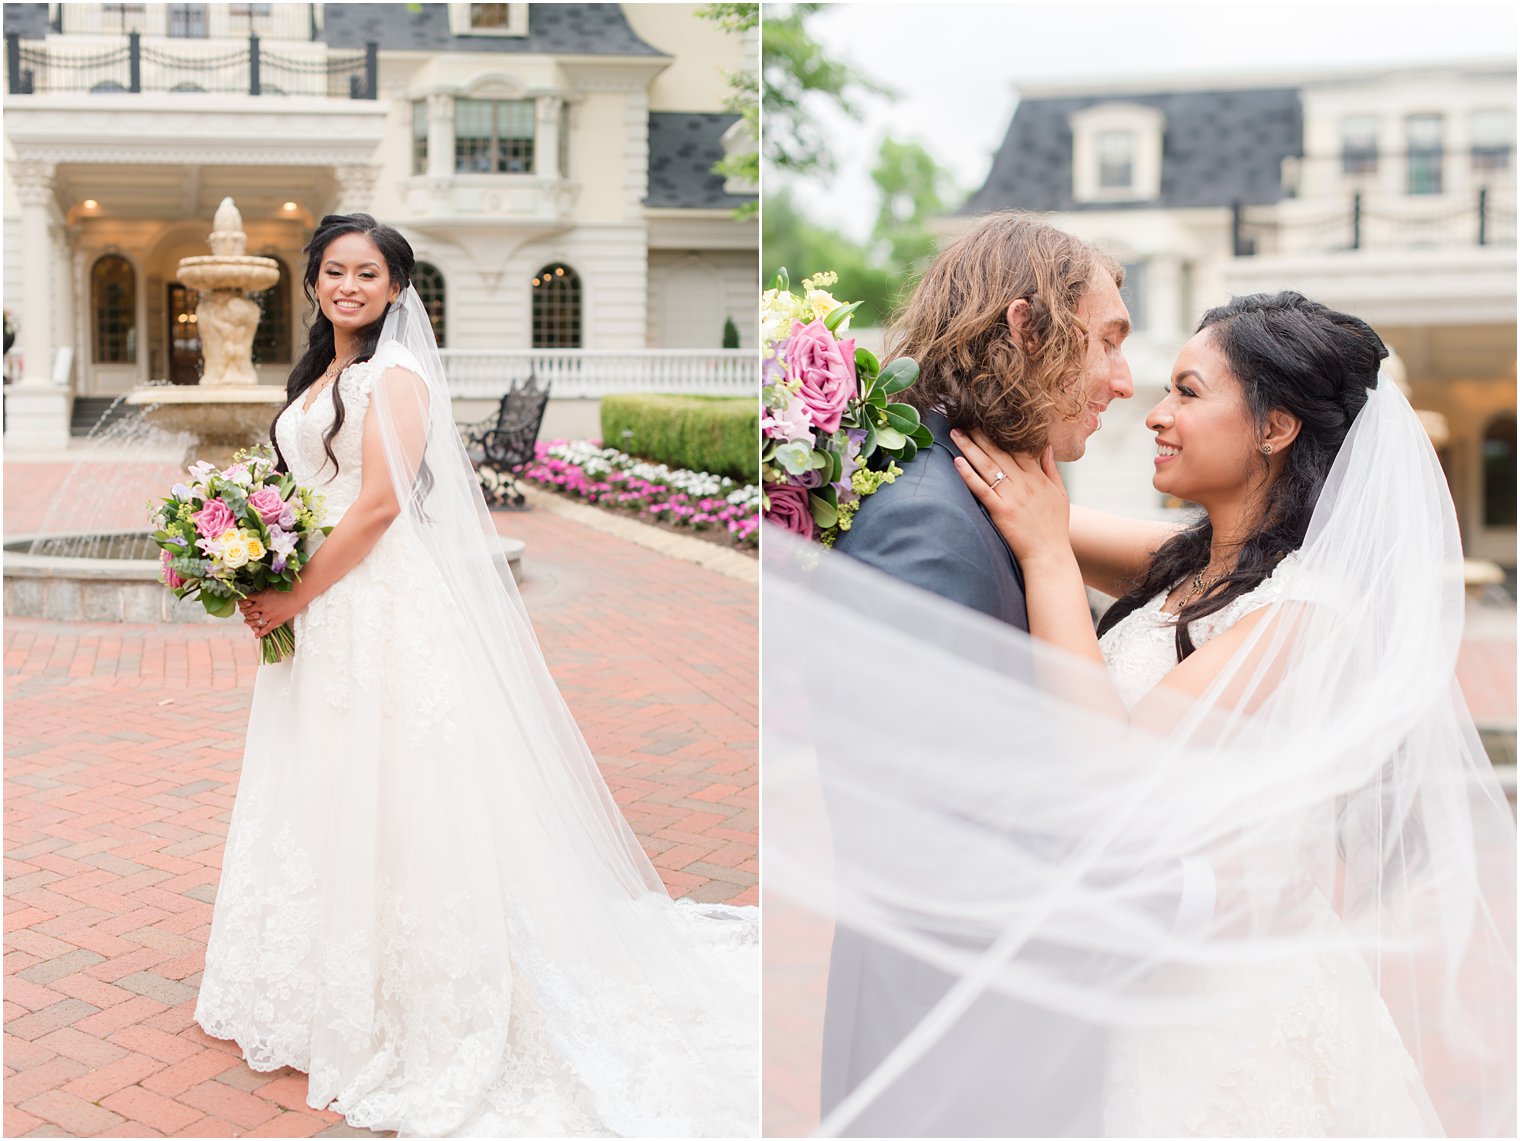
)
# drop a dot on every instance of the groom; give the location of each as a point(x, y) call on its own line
point(1017, 329)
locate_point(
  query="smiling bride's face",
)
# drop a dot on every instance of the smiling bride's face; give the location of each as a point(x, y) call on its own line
point(1207, 443)
point(354, 284)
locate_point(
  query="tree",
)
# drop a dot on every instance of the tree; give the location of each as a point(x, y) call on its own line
point(914, 188)
point(743, 100)
point(798, 75)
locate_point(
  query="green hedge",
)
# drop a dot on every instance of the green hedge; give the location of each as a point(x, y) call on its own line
point(718, 434)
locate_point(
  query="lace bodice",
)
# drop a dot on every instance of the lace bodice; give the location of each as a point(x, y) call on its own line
point(1142, 648)
point(300, 430)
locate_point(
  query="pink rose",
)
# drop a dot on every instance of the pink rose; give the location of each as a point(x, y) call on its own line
point(212, 519)
point(170, 579)
point(826, 368)
point(789, 508)
point(267, 502)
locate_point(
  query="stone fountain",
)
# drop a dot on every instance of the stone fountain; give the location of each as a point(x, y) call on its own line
point(97, 571)
point(227, 409)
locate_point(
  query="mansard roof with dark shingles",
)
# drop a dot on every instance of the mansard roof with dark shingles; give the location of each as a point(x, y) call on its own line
point(29, 21)
point(683, 145)
point(1218, 147)
point(553, 29)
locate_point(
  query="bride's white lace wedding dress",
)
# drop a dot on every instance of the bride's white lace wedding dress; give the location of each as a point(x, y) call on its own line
point(371, 926)
point(1308, 1048)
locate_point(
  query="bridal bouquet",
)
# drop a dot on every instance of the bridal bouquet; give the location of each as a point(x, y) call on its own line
point(230, 533)
point(830, 435)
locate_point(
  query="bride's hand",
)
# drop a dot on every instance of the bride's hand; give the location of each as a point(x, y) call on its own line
point(268, 610)
point(1028, 504)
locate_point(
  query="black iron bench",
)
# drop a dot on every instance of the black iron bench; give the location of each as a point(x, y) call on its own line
point(501, 446)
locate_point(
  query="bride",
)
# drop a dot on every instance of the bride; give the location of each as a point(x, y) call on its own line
point(1273, 698)
point(429, 900)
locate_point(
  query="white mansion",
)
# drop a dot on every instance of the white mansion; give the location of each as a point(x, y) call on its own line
point(1389, 194)
point(551, 165)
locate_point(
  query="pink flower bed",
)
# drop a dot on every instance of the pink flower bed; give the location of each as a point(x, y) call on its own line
point(584, 470)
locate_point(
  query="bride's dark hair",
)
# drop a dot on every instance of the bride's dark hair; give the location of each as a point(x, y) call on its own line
point(1301, 357)
point(399, 261)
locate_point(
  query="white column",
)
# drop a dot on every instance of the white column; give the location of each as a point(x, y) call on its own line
point(546, 141)
point(440, 161)
point(37, 408)
point(34, 186)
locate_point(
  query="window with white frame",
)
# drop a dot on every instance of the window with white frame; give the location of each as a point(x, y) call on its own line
point(493, 136)
point(1359, 144)
point(1116, 152)
point(488, 19)
point(1491, 133)
point(1424, 137)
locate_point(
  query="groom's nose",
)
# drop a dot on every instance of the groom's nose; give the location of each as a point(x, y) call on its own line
point(1120, 383)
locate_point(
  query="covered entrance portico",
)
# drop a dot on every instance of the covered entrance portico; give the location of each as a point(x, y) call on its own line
point(104, 226)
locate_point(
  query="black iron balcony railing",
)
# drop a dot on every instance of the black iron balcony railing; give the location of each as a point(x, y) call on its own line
point(1481, 218)
point(189, 66)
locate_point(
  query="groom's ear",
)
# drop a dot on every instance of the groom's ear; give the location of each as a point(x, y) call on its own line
point(1019, 323)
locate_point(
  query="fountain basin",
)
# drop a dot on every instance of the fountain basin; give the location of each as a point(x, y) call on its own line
point(241, 272)
point(70, 588)
point(221, 417)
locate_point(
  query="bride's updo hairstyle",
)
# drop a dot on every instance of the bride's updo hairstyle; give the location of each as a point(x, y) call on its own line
point(1298, 356)
point(399, 261)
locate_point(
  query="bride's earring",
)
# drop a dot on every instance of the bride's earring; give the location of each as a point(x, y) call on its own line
point(1266, 449)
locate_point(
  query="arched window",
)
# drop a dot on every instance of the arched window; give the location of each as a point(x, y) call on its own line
point(271, 340)
point(429, 283)
point(556, 308)
point(113, 301)
point(1499, 473)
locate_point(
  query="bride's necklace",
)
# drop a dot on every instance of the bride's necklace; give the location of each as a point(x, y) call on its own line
point(1200, 585)
point(323, 382)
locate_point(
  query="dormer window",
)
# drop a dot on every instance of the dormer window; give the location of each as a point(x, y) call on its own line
point(488, 19)
point(1116, 160)
point(1116, 153)
point(1491, 131)
point(1359, 144)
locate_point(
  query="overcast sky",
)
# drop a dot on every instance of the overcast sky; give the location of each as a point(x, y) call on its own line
point(957, 67)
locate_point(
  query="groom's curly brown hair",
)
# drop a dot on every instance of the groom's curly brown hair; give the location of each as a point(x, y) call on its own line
point(955, 325)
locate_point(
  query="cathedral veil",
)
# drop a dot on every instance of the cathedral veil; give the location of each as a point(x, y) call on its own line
point(940, 785)
point(653, 1004)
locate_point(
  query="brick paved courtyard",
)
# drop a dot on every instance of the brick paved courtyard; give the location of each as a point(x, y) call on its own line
point(122, 747)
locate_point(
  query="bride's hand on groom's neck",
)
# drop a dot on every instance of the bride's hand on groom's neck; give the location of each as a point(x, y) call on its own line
point(1023, 494)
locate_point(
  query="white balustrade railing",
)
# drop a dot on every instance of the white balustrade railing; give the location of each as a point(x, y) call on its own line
point(590, 373)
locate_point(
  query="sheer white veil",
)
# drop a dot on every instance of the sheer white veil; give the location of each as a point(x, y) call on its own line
point(937, 785)
point(654, 1005)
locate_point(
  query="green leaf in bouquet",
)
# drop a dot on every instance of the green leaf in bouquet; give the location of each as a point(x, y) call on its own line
point(908, 450)
point(825, 514)
point(877, 399)
point(783, 281)
point(903, 417)
point(889, 438)
point(868, 445)
point(922, 437)
point(866, 365)
point(217, 606)
point(836, 468)
point(898, 375)
point(836, 318)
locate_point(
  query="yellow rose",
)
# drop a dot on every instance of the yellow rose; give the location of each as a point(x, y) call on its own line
point(822, 303)
point(235, 552)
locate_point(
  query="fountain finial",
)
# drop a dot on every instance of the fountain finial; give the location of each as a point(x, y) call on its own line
point(227, 237)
